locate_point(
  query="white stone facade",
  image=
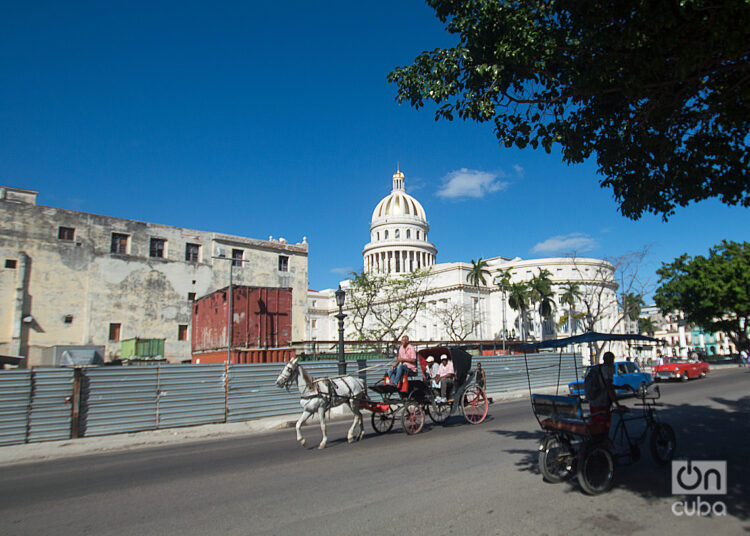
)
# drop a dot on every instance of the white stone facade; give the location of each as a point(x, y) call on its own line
point(484, 308)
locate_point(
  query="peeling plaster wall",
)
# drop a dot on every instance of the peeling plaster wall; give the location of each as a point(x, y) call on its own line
point(147, 296)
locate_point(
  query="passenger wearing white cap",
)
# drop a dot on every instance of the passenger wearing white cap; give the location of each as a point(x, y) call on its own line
point(446, 375)
point(431, 372)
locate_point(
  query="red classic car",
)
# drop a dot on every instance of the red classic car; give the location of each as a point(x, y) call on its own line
point(680, 370)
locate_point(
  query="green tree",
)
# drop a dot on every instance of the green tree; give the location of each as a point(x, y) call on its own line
point(541, 293)
point(657, 91)
point(383, 307)
point(502, 280)
point(518, 300)
point(478, 273)
point(713, 291)
point(632, 304)
point(646, 325)
point(571, 292)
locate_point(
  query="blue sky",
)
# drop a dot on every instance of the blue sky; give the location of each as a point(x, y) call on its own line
point(276, 119)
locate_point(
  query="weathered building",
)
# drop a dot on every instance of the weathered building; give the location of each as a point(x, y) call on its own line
point(73, 278)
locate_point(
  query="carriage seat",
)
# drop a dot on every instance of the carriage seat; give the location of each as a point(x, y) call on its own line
point(564, 414)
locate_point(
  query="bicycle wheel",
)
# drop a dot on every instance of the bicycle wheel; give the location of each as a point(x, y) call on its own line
point(555, 459)
point(383, 422)
point(596, 468)
point(663, 443)
point(412, 418)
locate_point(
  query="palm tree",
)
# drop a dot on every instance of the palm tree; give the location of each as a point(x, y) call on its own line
point(478, 272)
point(518, 300)
point(541, 292)
point(502, 280)
point(631, 307)
point(646, 325)
point(570, 293)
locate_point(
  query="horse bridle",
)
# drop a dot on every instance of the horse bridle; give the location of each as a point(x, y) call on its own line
point(293, 372)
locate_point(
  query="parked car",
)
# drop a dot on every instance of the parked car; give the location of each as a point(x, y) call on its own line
point(681, 370)
point(627, 376)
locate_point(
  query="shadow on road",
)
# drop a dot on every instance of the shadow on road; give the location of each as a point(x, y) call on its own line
point(719, 432)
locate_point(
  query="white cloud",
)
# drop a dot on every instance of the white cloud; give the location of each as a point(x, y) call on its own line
point(342, 270)
point(570, 242)
point(470, 183)
point(518, 169)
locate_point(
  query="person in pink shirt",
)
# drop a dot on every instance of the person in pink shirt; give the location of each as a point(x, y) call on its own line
point(447, 376)
point(405, 361)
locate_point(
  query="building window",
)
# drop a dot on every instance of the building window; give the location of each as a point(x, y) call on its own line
point(314, 324)
point(157, 248)
point(417, 235)
point(397, 234)
point(114, 332)
point(66, 233)
point(378, 235)
point(408, 234)
point(386, 235)
point(10, 263)
point(68, 319)
point(182, 332)
point(283, 263)
point(119, 243)
point(237, 257)
point(192, 252)
point(191, 296)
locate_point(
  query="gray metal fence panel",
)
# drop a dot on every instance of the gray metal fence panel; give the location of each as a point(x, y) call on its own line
point(253, 393)
point(117, 400)
point(15, 398)
point(508, 373)
point(191, 395)
point(51, 404)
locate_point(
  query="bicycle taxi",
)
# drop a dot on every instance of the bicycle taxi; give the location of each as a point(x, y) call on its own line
point(575, 442)
point(414, 397)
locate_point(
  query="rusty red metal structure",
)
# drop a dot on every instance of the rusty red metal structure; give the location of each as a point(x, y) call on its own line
point(261, 325)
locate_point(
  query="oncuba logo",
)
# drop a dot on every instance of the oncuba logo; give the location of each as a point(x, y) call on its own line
point(699, 477)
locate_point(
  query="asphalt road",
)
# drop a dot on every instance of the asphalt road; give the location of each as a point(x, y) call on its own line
point(456, 479)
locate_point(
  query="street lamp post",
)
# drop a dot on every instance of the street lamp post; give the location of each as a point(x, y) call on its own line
point(340, 298)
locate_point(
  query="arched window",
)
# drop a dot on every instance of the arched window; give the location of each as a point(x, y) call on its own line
point(378, 235)
point(408, 234)
point(386, 235)
point(397, 234)
point(417, 235)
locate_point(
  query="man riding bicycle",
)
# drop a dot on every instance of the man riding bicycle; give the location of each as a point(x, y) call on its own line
point(600, 392)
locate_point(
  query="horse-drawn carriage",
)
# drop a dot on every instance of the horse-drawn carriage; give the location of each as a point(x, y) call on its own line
point(416, 397)
point(412, 399)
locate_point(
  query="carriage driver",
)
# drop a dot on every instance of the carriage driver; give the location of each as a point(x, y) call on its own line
point(405, 361)
point(446, 375)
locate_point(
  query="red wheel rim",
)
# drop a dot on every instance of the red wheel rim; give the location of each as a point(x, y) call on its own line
point(413, 419)
point(475, 405)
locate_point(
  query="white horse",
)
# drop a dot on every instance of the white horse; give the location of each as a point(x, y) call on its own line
point(323, 394)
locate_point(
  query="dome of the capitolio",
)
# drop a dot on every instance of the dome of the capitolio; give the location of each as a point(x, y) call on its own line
point(398, 203)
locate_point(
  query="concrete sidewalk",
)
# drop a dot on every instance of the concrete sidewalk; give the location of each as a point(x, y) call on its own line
point(50, 450)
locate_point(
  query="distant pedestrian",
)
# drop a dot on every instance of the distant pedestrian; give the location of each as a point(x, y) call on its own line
point(743, 358)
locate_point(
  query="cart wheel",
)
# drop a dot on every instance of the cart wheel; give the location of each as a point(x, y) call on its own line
point(412, 418)
point(556, 459)
point(382, 422)
point(596, 468)
point(474, 404)
point(663, 443)
point(642, 390)
point(439, 413)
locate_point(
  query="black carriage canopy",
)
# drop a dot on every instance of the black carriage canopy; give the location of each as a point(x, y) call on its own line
point(591, 336)
point(460, 357)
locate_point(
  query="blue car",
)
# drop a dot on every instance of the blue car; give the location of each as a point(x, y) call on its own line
point(627, 376)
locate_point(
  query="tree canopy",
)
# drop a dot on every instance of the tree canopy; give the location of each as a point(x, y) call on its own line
point(713, 291)
point(659, 92)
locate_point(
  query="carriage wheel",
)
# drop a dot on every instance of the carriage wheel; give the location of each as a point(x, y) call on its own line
point(382, 422)
point(439, 413)
point(474, 404)
point(412, 418)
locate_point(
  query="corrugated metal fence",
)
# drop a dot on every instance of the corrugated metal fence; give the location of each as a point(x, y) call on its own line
point(38, 405)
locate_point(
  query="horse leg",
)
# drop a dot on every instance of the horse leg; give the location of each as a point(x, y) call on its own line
point(306, 414)
point(354, 406)
point(322, 415)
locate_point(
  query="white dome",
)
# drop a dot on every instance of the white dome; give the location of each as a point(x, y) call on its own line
point(398, 203)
